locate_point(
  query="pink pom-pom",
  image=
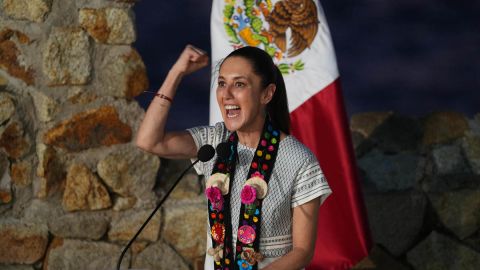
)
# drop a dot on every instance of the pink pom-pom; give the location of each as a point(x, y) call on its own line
point(248, 194)
point(213, 194)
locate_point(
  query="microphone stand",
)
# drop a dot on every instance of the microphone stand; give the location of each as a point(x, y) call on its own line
point(153, 213)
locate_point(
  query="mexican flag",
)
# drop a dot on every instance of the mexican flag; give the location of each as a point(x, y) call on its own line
point(296, 34)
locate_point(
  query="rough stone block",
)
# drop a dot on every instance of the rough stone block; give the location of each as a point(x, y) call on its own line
point(42, 211)
point(387, 131)
point(68, 254)
point(159, 256)
point(439, 252)
point(396, 219)
point(14, 140)
point(397, 134)
point(84, 190)
point(448, 159)
point(79, 225)
point(108, 25)
point(11, 58)
point(66, 56)
point(188, 188)
point(124, 73)
point(22, 243)
point(390, 172)
point(129, 171)
point(89, 129)
point(366, 123)
point(184, 229)
point(447, 169)
point(126, 224)
point(443, 127)
point(32, 10)
point(459, 211)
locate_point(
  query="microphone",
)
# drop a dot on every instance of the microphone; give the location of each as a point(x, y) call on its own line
point(223, 151)
point(204, 154)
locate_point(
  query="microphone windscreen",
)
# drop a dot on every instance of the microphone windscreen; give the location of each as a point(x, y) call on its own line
point(205, 153)
point(223, 151)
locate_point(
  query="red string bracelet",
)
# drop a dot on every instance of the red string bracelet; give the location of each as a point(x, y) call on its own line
point(164, 97)
point(160, 95)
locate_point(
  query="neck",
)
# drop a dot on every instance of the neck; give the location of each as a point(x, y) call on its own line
point(251, 136)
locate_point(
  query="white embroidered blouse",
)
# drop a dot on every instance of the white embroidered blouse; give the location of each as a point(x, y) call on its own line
point(296, 179)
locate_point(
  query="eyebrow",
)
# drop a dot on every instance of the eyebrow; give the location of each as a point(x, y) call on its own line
point(235, 78)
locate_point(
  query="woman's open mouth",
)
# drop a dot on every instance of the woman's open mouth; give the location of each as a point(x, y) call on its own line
point(232, 111)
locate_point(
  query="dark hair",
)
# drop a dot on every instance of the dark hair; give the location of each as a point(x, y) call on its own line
point(263, 66)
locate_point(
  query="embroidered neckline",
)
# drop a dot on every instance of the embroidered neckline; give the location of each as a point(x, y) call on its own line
point(246, 254)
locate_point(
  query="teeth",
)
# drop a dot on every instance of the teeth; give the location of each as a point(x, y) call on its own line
point(232, 115)
point(231, 107)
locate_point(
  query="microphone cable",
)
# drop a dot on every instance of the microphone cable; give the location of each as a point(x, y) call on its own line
point(205, 153)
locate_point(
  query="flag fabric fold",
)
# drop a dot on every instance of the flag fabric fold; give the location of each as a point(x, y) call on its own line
point(295, 33)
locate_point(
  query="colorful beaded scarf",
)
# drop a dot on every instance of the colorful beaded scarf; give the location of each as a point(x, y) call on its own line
point(246, 255)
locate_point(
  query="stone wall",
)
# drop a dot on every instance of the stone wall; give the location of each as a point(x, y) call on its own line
point(73, 187)
point(421, 180)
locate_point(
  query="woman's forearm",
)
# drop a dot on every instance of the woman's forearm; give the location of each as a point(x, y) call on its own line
point(152, 128)
point(304, 231)
point(298, 258)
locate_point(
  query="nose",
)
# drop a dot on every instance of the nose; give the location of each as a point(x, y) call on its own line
point(225, 92)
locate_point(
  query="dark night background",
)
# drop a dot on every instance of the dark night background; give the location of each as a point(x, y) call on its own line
point(408, 56)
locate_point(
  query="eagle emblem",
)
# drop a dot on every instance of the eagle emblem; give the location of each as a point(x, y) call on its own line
point(259, 23)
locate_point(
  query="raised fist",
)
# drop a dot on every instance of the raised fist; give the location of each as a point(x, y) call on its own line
point(190, 60)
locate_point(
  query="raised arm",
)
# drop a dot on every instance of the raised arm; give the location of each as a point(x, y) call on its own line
point(151, 135)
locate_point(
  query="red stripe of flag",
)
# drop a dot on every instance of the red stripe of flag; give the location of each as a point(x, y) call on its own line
point(343, 235)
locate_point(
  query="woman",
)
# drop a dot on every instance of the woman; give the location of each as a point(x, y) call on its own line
point(263, 198)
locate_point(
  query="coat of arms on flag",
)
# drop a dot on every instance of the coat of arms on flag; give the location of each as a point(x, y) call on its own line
point(294, 32)
point(261, 24)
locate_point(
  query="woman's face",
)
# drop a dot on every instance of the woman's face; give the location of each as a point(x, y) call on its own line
point(240, 96)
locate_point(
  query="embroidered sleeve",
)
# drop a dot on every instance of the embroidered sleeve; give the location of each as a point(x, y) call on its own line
point(202, 135)
point(310, 183)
